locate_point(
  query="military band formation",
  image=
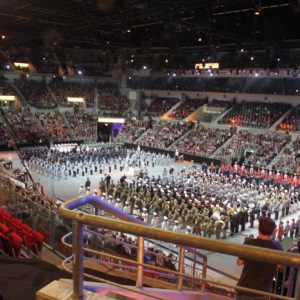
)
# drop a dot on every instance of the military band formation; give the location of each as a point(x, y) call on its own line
point(202, 199)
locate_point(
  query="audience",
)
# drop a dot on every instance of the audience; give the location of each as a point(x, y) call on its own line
point(162, 133)
point(186, 108)
point(202, 141)
point(83, 125)
point(64, 89)
point(255, 114)
point(110, 101)
point(291, 122)
point(24, 126)
point(288, 161)
point(4, 134)
point(132, 130)
point(254, 148)
point(36, 93)
point(160, 106)
point(55, 124)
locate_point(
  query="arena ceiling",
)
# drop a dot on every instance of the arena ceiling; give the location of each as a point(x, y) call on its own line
point(152, 25)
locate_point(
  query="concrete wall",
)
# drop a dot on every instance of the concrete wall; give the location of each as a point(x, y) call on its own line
point(294, 100)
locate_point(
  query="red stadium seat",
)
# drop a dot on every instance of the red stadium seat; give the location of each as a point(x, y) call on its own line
point(3, 229)
point(26, 228)
point(6, 217)
point(39, 239)
point(33, 241)
point(17, 225)
point(16, 243)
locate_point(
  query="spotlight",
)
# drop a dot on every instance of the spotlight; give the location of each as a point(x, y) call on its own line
point(166, 61)
point(257, 7)
point(252, 58)
point(242, 50)
point(79, 72)
point(3, 37)
point(200, 40)
point(145, 67)
point(8, 67)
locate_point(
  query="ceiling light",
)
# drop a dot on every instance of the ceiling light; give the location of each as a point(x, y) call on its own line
point(145, 67)
point(257, 7)
point(252, 58)
point(3, 37)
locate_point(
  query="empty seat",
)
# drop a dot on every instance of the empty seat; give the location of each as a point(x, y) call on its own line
point(15, 243)
point(6, 217)
point(33, 241)
point(26, 228)
point(17, 225)
point(4, 229)
point(39, 239)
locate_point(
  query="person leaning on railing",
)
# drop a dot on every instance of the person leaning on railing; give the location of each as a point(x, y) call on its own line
point(259, 275)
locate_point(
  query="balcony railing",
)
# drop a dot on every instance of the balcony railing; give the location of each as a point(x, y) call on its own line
point(130, 225)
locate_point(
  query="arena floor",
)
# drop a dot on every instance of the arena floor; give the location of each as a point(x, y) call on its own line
point(68, 188)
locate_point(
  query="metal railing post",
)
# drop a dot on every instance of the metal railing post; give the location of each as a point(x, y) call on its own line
point(181, 268)
point(140, 260)
point(52, 231)
point(194, 264)
point(77, 260)
point(204, 270)
point(297, 292)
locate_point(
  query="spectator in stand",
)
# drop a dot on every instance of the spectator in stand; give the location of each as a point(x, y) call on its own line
point(160, 106)
point(83, 124)
point(288, 161)
point(111, 102)
point(186, 108)
point(64, 89)
point(249, 278)
point(255, 114)
point(4, 134)
point(132, 130)
point(36, 93)
point(163, 133)
point(55, 124)
point(24, 126)
point(291, 122)
point(203, 141)
point(264, 147)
